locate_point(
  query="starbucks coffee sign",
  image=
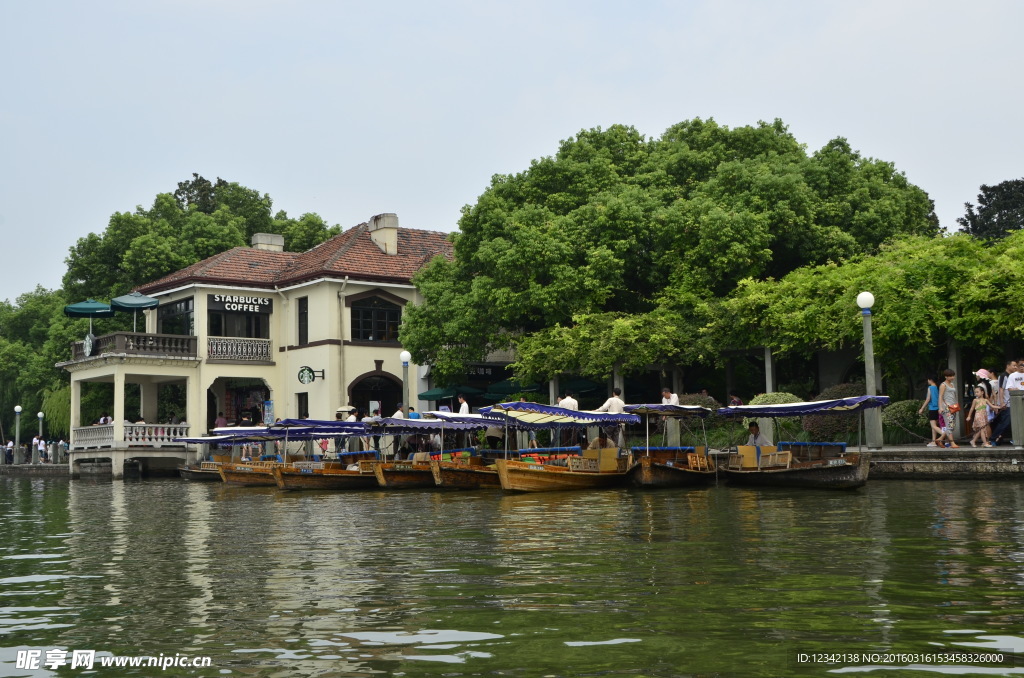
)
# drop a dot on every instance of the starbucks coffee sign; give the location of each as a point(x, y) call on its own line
point(239, 303)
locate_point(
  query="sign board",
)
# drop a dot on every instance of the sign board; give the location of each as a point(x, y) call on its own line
point(239, 303)
point(268, 412)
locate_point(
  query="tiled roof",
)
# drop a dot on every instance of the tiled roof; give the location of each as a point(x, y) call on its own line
point(352, 253)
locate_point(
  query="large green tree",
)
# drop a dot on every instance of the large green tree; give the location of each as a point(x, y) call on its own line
point(1000, 211)
point(200, 219)
point(610, 251)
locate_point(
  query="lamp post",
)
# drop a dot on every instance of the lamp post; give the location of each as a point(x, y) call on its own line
point(873, 416)
point(17, 432)
point(35, 453)
point(405, 357)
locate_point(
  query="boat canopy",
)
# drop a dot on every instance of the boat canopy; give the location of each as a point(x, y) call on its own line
point(837, 406)
point(670, 410)
point(392, 426)
point(545, 416)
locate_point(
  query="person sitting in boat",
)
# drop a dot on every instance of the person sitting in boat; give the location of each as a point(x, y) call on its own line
point(601, 442)
point(756, 437)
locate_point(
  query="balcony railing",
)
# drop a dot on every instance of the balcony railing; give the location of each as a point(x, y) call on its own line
point(238, 348)
point(140, 343)
point(135, 435)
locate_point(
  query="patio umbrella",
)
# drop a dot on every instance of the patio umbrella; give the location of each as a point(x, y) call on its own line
point(89, 309)
point(448, 392)
point(133, 301)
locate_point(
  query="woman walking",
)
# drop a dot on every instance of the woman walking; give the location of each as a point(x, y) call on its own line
point(949, 406)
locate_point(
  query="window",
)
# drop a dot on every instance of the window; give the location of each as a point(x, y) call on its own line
point(374, 319)
point(303, 321)
point(176, 318)
point(248, 325)
point(302, 399)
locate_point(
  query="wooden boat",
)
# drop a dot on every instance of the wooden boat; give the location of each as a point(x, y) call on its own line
point(672, 467)
point(589, 472)
point(324, 477)
point(250, 473)
point(404, 475)
point(465, 475)
point(770, 466)
point(204, 472)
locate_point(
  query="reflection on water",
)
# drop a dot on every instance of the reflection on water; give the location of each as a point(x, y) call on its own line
point(723, 581)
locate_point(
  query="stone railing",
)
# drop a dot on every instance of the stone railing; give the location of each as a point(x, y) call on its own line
point(140, 344)
point(238, 348)
point(92, 436)
point(154, 435)
point(136, 435)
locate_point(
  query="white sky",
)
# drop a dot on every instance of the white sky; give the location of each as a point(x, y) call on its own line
point(350, 109)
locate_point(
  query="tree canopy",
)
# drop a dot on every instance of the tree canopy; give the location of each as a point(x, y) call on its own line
point(613, 250)
point(1000, 211)
point(198, 220)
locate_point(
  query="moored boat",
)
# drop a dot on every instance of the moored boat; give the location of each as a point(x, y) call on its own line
point(250, 474)
point(403, 475)
point(206, 471)
point(846, 472)
point(672, 467)
point(472, 474)
point(580, 473)
point(298, 477)
point(823, 465)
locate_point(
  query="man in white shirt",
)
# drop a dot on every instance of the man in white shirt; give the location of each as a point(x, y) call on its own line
point(568, 402)
point(668, 397)
point(615, 404)
point(463, 405)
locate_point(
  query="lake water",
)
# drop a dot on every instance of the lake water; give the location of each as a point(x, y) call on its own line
point(697, 582)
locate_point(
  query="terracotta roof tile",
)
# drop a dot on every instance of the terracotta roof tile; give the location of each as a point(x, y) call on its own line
point(352, 253)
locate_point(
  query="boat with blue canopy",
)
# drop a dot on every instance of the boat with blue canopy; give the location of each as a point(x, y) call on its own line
point(602, 465)
point(825, 465)
point(672, 466)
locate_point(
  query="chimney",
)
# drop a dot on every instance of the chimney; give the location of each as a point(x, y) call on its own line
point(272, 242)
point(383, 230)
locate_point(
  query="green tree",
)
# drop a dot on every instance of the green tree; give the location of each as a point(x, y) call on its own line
point(1000, 211)
point(614, 250)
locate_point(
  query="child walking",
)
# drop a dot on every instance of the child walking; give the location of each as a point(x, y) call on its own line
point(978, 416)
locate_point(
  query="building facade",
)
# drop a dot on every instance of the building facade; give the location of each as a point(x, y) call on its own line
point(257, 333)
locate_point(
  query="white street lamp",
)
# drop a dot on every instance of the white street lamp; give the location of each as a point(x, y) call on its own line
point(405, 357)
point(17, 429)
point(873, 416)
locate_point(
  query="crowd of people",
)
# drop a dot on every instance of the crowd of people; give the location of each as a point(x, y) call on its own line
point(987, 418)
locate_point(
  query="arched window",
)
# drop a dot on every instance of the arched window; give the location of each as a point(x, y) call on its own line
point(374, 319)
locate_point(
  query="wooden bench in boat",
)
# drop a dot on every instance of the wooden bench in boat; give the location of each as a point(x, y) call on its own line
point(753, 457)
point(688, 456)
point(814, 451)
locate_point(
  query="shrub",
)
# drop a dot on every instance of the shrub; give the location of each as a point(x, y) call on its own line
point(834, 427)
point(690, 427)
point(787, 428)
point(902, 424)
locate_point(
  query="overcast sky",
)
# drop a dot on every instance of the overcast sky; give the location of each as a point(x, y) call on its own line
point(350, 109)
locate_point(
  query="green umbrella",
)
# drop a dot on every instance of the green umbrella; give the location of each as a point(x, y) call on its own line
point(448, 392)
point(89, 309)
point(133, 301)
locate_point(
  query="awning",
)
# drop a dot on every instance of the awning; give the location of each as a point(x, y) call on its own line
point(670, 410)
point(837, 406)
point(549, 415)
point(448, 392)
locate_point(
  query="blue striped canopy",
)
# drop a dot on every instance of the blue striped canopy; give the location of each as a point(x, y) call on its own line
point(549, 415)
point(670, 410)
point(837, 406)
